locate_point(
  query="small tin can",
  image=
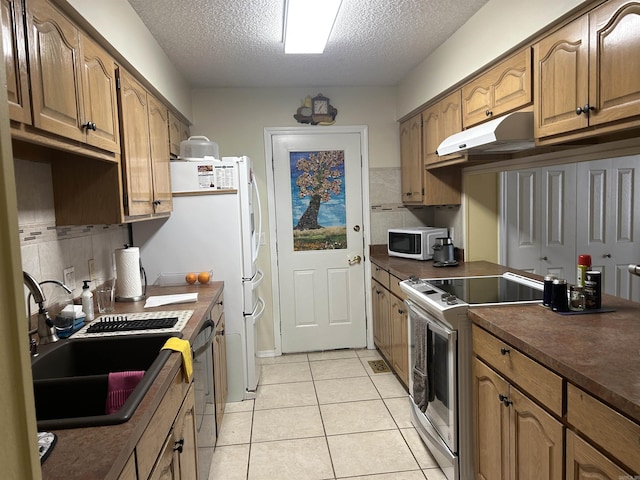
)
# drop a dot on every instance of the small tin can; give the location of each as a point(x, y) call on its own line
point(559, 298)
point(593, 290)
point(548, 289)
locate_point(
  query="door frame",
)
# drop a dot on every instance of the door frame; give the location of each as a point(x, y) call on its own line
point(269, 133)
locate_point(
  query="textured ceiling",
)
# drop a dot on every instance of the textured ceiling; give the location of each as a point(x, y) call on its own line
point(238, 43)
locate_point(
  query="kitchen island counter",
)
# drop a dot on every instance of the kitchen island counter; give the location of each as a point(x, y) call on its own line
point(101, 452)
point(599, 353)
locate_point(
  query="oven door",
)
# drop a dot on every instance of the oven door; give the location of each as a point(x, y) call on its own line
point(434, 374)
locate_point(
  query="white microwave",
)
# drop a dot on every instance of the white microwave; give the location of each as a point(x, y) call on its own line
point(413, 242)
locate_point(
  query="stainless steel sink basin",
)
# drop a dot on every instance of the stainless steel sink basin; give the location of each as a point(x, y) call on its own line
point(70, 378)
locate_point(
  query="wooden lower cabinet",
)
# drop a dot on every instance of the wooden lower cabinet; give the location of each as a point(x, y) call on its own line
point(399, 338)
point(514, 437)
point(381, 320)
point(585, 463)
point(129, 470)
point(178, 457)
point(220, 370)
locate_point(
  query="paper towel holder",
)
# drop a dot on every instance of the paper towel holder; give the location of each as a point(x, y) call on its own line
point(143, 281)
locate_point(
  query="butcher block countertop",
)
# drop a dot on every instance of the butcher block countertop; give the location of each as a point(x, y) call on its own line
point(599, 353)
point(101, 452)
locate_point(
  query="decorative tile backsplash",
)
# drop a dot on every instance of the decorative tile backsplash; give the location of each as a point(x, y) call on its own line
point(47, 250)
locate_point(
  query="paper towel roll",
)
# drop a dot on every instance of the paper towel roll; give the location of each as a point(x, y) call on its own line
point(128, 281)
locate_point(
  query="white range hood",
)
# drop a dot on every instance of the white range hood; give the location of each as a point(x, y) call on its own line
point(510, 133)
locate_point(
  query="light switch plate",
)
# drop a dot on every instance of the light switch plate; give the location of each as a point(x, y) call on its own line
point(70, 277)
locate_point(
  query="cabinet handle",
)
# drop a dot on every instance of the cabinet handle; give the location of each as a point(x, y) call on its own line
point(504, 351)
point(607, 255)
point(408, 194)
point(488, 113)
point(544, 258)
point(505, 400)
point(89, 126)
point(178, 446)
point(585, 109)
point(400, 311)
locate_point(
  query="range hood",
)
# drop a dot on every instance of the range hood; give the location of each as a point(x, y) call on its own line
point(510, 133)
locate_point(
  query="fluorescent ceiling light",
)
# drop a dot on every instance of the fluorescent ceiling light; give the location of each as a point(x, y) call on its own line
point(308, 24)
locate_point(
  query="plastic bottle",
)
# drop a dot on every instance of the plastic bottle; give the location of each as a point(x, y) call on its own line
point(87, 300)
point(584, 264)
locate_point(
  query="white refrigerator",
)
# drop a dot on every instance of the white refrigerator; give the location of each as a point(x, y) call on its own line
point(215, 226)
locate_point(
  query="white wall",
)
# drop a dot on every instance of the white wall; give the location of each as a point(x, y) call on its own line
point(491, 32)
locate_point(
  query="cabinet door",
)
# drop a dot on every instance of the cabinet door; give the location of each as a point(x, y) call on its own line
point(184, 436)
point(614, 69)
point(535, 440)
point(504, 88)
point(55, 63)
point(585, 463)
point(166, 467)
point(178, 131)
point(399, 338)
point(159, 151)
point(15, 60)
point(381, 330)
point(135, 146)
point(490, 424)
point(411, 160)
point(99, 94)
point(561, 63)
point(431, 134)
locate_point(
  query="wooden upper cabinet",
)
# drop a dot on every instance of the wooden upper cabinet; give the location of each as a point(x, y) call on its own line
point(614, 66)
point(73, 90)
point(439, 121)
point(55, 63)
point(100, 116)
point(15, 59)
point(561, 83)
point(136, 164)
point(159, 148)
point(588, 74)
point(503, 88)
point(178, 131)
point(411, 160)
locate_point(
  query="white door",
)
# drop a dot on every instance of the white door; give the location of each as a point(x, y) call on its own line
point(609, 223)
point(320, 242)
point(541, 220)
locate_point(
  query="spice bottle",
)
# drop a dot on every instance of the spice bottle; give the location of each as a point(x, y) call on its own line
point(584, 264)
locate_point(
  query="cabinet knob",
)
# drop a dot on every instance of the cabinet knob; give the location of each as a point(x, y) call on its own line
point(544, 258)
point(505, 400)
point(400, 311)
point(89, 126)
point(585, 109)
point(178, 446)
point(488, 113)
point(504, 351)
point(607, 255)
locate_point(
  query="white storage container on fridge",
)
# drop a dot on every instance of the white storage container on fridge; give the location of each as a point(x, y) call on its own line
point(198, 148)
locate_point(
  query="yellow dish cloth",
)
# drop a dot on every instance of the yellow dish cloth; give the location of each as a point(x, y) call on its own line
point(183, 346)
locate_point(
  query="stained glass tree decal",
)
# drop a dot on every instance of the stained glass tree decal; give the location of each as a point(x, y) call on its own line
point(317, 187)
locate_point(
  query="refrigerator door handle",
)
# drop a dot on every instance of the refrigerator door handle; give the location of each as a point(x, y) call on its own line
point(257, 233)
point(257, 280)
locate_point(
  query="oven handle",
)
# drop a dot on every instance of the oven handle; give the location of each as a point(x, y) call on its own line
point(209, 341)
point(434, 324)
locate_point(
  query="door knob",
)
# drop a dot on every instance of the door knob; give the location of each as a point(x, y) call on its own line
point(356, 228)
point(355, 260)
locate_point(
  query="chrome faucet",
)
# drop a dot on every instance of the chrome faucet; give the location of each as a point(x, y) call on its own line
point(46, 330)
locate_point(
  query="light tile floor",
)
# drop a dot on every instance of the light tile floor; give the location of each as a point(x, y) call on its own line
point(322, 416)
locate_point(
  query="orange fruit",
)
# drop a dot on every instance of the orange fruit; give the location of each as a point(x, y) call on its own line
point(204, 277)
point(191, 277)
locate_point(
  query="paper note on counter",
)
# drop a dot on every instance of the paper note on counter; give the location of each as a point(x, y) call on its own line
point(159, 300)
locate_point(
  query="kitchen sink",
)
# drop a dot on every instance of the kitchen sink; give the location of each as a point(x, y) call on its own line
point(70, 379)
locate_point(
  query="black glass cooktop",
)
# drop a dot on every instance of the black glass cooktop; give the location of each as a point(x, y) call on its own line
point(479, 290)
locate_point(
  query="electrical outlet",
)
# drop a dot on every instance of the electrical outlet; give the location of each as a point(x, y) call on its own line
point(92, 270)
point(70, 277)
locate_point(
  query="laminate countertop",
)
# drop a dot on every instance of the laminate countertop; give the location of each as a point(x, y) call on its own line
point(597, 352)
point(101, 452)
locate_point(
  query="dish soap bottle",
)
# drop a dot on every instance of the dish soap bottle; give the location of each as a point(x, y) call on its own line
point(87, 300)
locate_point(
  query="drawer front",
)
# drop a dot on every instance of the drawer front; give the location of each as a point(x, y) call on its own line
point(539, 382)
point(608, 429)
point(381, 275)
point(218, 308)
point(394, 286)
point(154, 436)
